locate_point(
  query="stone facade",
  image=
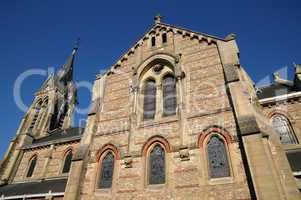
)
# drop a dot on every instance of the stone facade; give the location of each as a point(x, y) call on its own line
point(215, 98)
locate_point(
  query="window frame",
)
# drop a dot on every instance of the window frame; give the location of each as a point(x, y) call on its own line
point(292, 134)
point(153, 41)
point(226, 154)
point(148, 147)
point(149, 164)
point(69, 150)
point(203, 140)
point(164, 38)
point(149, 79)
point(32, 158)
point(99, 169)
point(166, 75)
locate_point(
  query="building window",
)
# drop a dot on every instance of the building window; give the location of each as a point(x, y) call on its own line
point(169, 95)
point(67, 162)
point(157, 165)
point(37, 110)
point(107, 170)
point(284, 129)
point(164, 38)
point(217, 158)
point(149, 107)
point(32, 166)
point(153, 41)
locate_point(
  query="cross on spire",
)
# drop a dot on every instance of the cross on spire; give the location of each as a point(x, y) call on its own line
point(158, 18)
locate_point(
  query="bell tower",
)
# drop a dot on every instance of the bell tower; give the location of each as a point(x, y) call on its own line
point(52, 109)
point(54, 102)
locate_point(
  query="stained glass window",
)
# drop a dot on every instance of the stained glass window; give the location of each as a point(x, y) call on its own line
point(284, 129)
point(67, 163)
point(217, 157)
point(107, 169)
point(157, 165)
point(32, 166)
point(169, 95)
point(149, 99)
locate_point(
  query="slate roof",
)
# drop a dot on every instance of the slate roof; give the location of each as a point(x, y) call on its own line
point(60, 135)
point(294, 159)
point(38, 187)
point(274, 90)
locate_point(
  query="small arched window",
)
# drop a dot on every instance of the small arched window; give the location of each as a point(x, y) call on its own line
point(157, 165)
point(284, 129)
point(217, 158)
point(67, 162)
point(164, 38)
point(169, 95)
point(32, 165)
point(149, 106)
point(107, 171)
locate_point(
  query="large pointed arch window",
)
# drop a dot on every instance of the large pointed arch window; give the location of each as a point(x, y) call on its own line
point(217, 158)
point(107, 171)
point(67, 162)
point(157, 165)
point(284, 129)
point(149, 106)
point(32, 165)
point(169, 95)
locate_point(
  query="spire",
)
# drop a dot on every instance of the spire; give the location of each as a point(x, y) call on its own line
point(65, 74)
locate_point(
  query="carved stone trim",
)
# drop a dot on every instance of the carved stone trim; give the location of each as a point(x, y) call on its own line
point(184, 154)
point(128, 162)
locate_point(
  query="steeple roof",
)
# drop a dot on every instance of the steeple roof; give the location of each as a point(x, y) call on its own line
point(65, 74)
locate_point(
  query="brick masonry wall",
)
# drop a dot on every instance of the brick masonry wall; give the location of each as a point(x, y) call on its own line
point(55, 164)
point(205, 104)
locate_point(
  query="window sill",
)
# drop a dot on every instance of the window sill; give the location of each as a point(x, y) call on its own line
point(159, 121)
point(220, 181)
point(156, 186)
point(103, 190)
point(290, 147)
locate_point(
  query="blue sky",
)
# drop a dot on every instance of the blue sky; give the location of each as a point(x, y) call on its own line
point(40, 34)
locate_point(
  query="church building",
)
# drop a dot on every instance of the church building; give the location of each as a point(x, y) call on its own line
point(175, 118)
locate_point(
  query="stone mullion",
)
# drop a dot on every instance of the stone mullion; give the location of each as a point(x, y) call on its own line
point(159, 101)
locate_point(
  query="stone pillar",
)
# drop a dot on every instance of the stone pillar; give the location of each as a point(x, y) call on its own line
point(80, 157)
point(47, 160)
point(262, 170)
